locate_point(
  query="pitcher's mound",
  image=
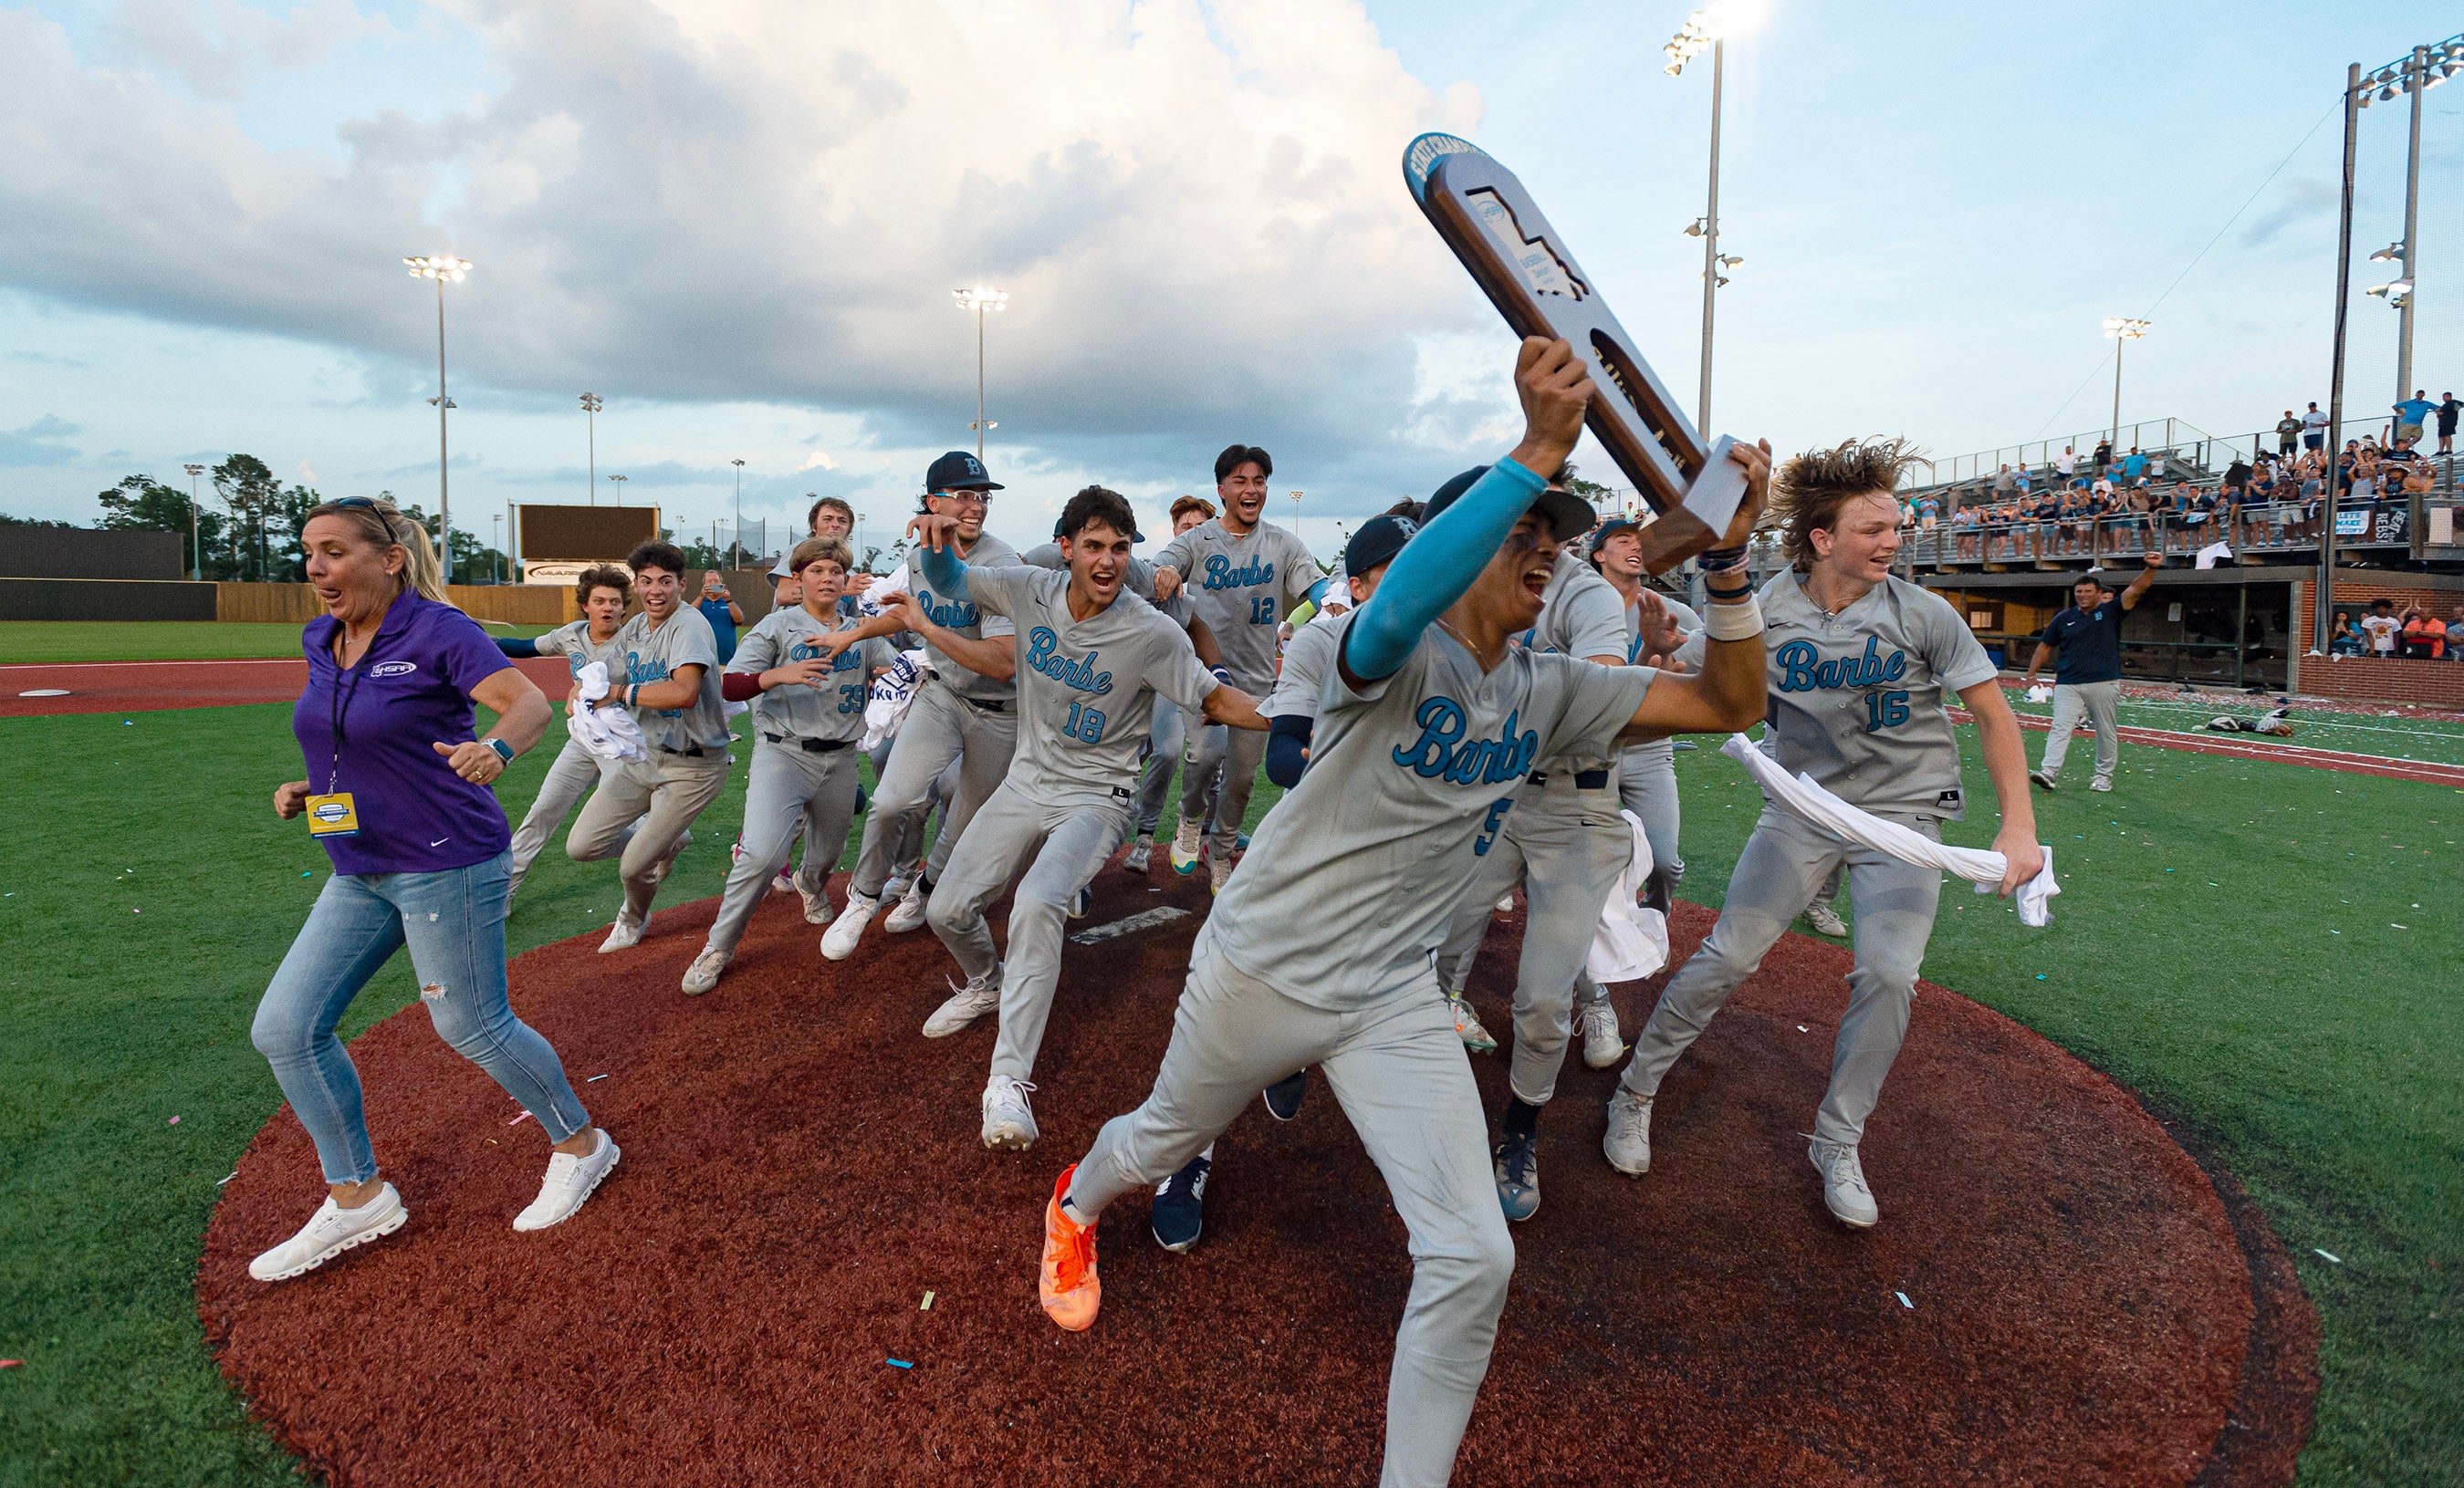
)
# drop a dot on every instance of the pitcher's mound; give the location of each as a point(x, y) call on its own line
point(802, 1169)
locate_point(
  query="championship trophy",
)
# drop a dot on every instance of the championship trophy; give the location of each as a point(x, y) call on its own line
point(1530, 275)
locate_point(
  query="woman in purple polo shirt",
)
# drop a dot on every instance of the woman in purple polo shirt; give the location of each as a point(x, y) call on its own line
point(397, 792)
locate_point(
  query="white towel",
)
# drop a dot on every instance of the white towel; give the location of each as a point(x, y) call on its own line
point(1631, 940)
point(2040, 693)
point(869, 604)
point(1984, 868)
point(885, 707)
point(609, 734)
point(2213, 552)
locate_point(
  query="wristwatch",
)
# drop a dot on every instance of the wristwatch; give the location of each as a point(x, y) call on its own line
point(504, 751)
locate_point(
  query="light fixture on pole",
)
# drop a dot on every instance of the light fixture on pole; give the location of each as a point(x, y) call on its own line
point(619, 481)
point(2421, 70)
point(1296, 516)
point(496, 524)
point(590, 406)
point(980, 299)
point(737, 541)
point(1704, 30)
point(196, 549)
point(2124, 329)
point(441, 267)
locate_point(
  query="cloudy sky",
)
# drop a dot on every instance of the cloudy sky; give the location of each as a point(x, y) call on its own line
point(739, 222)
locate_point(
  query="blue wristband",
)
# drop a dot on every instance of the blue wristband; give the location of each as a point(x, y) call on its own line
point(1221, 675)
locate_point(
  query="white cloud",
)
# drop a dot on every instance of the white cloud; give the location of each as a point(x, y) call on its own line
point(818, 461)
point(219, 47)
point(1197, 209)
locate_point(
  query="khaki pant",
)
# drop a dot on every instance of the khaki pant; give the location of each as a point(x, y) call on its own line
point(2095, 701)
point(663, 794)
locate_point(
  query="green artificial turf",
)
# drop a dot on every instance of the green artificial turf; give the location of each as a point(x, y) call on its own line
point(39, 640)
point(148, 891)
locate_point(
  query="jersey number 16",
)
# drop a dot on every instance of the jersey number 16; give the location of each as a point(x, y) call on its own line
point(1885, 711)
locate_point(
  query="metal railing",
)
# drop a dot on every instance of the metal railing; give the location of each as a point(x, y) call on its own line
point(2276, 527)
point(2179, 441)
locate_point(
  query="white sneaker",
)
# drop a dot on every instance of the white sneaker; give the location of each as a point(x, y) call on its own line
point(569, 1181)
point(1140, 855)
point(1185, 848)
point(1843, 1182)
point(2103, 783)
point(1009, 1124)
point(981, 994)
point(838, 942)
point(1467, 1027)
point(909, 912)
point(1628, 1144)
point(328, 1233)
point(625, 934)
point(783, 882)
point(1219, 872)
point(817, 903)
point(1602, 1044)
point(707, 968)
point(1825, 920)
point(668, 863)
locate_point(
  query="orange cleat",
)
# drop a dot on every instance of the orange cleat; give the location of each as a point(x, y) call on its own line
point(1066, 1279)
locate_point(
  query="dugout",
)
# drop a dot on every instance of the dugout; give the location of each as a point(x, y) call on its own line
point(2229, 628)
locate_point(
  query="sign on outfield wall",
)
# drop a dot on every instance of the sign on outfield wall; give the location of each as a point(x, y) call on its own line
point(580, 535)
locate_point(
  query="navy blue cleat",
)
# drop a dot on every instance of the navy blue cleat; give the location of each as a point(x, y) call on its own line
point(1518, 1177)
point(1179, 1206)
point(1284, 1097)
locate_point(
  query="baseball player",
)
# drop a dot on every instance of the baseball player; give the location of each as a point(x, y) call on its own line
point(646, 810)
point(2087, 676)
point(807, 722)
point(605, 592)
point(1242, 575)
point(829, 517)
point(1172, 726)
point(1655, 627)
point(963, 714)
point(1426, 727)
point(1091, 659)
point(1860, 664)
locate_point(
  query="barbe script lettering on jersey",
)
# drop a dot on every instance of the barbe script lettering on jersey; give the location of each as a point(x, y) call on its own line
point(1043, 655)
point(1442, 752)
point(955, 615)
point(846, 661)
point(1221, 574)
point(1802, 668)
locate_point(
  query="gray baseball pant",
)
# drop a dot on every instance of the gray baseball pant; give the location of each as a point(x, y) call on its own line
point(662, 794)
point(1567, 848)
point(1164, 741)
point(570, 778)
point(946, 787)
point(1784, 862)
point(1647, 787)
point(1236, 752)
point(789, 790)
point(1403, 1081)
point(1066, 844)
point(940, 727)
point(2096, 700)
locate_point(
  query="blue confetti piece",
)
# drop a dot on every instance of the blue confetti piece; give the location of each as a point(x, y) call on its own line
point(1903, 1301)
point(310, 873)
point(901, 1364)
point(2040, 976)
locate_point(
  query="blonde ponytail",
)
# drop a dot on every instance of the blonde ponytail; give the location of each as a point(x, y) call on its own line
point(421, 572)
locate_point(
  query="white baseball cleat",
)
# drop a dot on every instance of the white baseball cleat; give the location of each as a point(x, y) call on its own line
point(1843, 1182)
point(981, 994)
point(1008, 1123)
point(1185, 848)
point(707, 969)
point(1602, 1044)
point(817, 903)
point(1219, 872)
point(838, 942)
point(909, 912)
point(1140, 855)
point(570, 1179)
point(1467, 1027)
point(1628, 1144)
point(625, 934)
point(328, 1233)
point(1825, 920)
point(2103, 783)
point(783, 882)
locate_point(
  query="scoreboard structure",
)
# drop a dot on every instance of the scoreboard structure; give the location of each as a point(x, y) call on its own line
point(557, 542)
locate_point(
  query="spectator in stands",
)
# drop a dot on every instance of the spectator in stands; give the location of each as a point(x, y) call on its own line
point(2314, 430)
point(2025, 479)
point(2382, 628)
point(2103, 486)
point(2237, 475)
point(2425, 639)
point(1928, 513)
point(2411, 414)
point(2067, 462)
point(2456, 635)
point(2134, 465)
point(721, 611)
point(2003, 482)
point(2447, 410)
point(2288, 431)
point(2103, 455)
point(2345, 638)
point(2417, 478)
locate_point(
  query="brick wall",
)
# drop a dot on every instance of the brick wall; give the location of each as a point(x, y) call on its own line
point(2438, 684)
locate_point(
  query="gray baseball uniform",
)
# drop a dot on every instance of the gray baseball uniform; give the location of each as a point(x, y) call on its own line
point(959, 714)
point(1564, 843)
point(1309, 659)
point(1241, 587)
point(1856, 702)
point(803, 773)
point(1409, 780)
point(1647, 773)
point(642, 809)
point(1086, 692)
point(575, 770)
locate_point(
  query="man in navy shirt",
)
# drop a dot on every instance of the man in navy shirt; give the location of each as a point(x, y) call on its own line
point(2087, 679)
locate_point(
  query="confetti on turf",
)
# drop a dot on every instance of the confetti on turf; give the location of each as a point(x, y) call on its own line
point(225, 1178)
point(12, 1364)
point(594, 1080)
point(928, 1303)
point(1903, 1301)
point(2331, 1260)
point(173, 1122)
point(518, 1119)
point(900, 1363)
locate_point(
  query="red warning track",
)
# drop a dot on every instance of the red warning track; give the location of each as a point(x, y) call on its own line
point(2267, 750)
point(2083, 1302)
point(150, 687)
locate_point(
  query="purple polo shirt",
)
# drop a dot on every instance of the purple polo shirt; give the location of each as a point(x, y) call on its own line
point(409, 692)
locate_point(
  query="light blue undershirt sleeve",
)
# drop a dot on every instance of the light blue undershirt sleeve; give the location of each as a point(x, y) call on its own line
point(947, 571)
point(1434, 568)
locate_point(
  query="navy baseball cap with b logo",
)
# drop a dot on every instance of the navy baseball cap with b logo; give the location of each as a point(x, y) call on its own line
point(1377, 542)
point(959, 471)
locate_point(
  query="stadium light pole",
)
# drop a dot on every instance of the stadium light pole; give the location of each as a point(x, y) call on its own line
point(1296, 516)
point(619, 481)
point(196, 549)
point(2124, 329)
point(1707, 28)
point(590, 406)
point(980, 299)
point(736, 543)
point(441, 267)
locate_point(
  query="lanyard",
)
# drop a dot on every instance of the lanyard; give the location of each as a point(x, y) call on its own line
point(340, 708)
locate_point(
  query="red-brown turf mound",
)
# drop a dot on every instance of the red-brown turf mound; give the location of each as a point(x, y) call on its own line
point(801, 1169)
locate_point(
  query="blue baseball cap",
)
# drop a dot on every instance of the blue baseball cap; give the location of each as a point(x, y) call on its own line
point(1377, 542)
point(1610, 528)
point(959, 471)
point(1568, 514)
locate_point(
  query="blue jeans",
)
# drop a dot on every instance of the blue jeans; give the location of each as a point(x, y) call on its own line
point(455, 925)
